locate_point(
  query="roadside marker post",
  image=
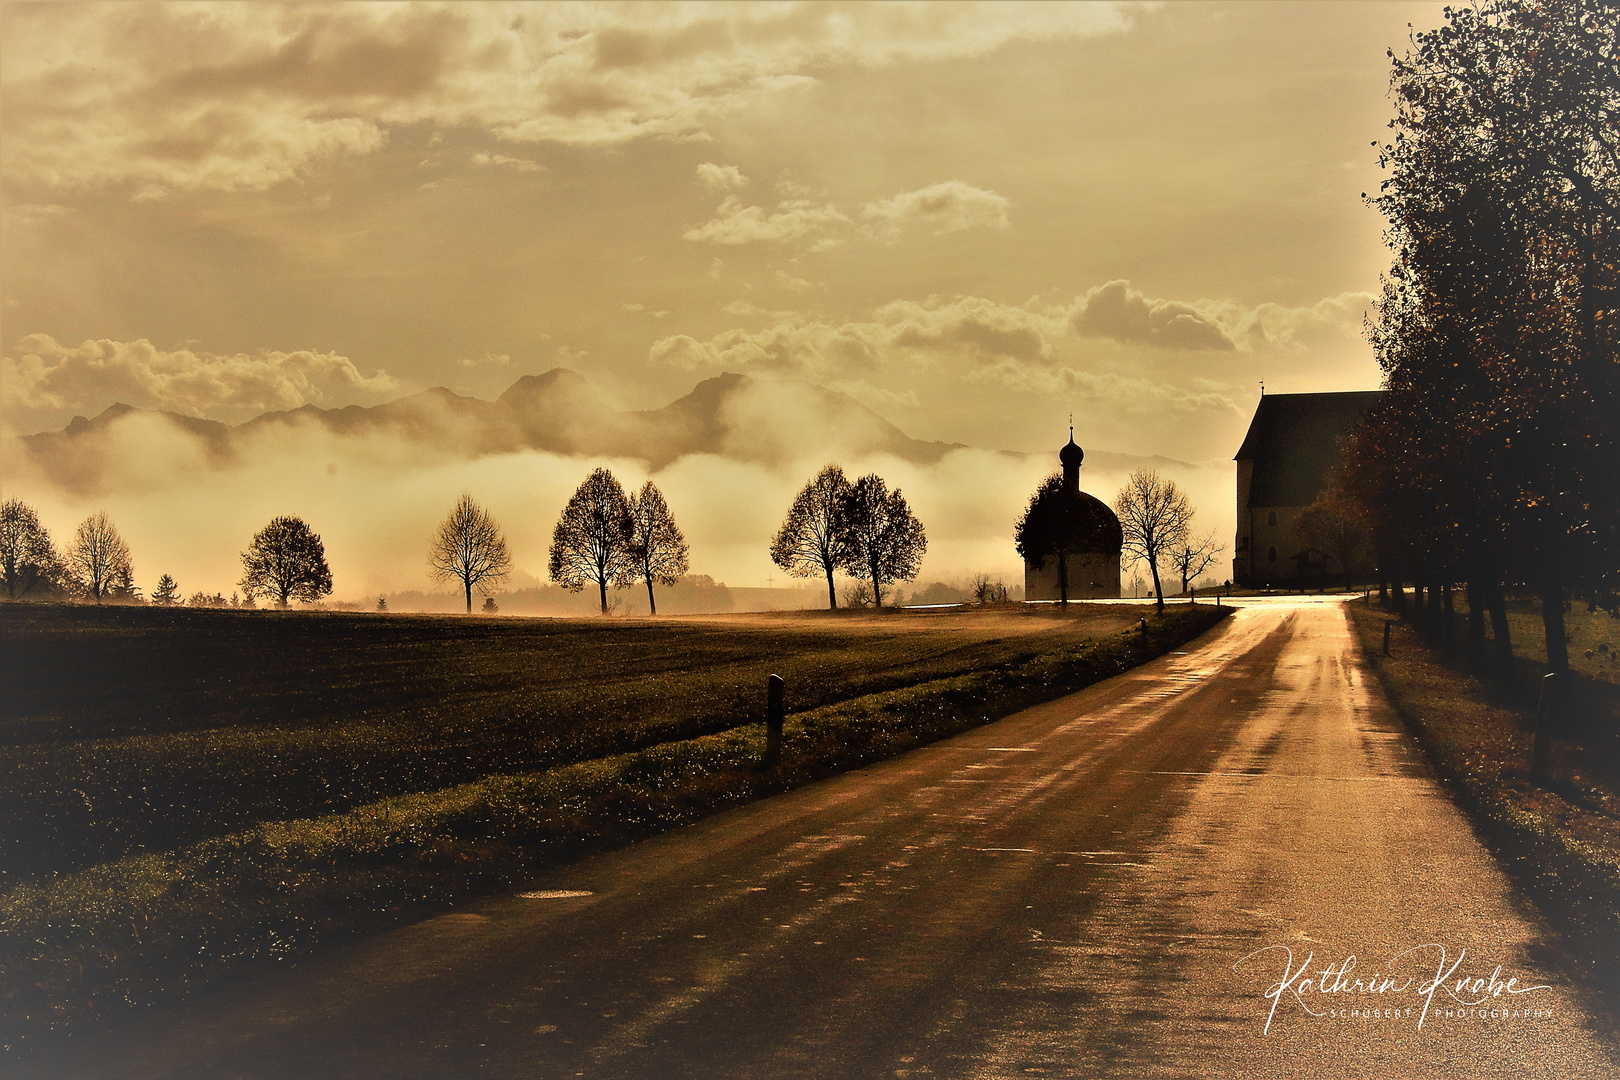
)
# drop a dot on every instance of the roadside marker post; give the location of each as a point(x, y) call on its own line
point(773, 721)
point(1544, 722)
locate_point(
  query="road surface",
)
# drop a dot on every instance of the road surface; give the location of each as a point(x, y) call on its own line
point(1106, 885)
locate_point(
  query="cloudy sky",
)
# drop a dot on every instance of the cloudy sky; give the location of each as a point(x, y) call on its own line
point(975, 220)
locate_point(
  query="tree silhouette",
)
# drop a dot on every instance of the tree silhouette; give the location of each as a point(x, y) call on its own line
point(1335, 524)
point(1047, 529)
point(592, 539)
point(98, 558)
point(28, 560)
point(286, 561)
point(883, 541)
point(808, 542)
point(469, 547)
point(1192, 557)
point(167, 593)
point(1155, 516)
point(657, 548)
point(1495, 330)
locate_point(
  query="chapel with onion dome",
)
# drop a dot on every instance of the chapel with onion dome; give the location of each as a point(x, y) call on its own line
point(1062, 518)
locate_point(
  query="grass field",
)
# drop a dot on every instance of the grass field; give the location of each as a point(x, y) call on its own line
point(125, 730)
point(142, 926)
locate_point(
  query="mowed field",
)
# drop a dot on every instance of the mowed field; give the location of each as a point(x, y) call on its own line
point(126, 730)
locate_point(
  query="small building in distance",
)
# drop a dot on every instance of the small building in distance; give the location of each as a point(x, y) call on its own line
point(1291, 450)
point(1095, 539)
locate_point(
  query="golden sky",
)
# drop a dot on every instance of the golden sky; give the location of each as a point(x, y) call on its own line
point(973, 219)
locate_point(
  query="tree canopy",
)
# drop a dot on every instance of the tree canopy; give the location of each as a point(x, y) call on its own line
point(808, 543)
point(883, 541)
point(1495, 453)
point(98, 559)
point(1155, 517)
point(28, 559)
point(469, 547)
point(592, 539)
point(657, 548)
point(286, 561)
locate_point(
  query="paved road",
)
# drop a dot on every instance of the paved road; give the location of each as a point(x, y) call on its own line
point(1069, 892)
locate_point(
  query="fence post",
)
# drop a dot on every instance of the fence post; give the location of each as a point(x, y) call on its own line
point(1386, 636)
point(1544, 722)
point(773, 721)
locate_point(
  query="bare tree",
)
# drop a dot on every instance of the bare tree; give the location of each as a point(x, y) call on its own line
point(98, 557)
point(28, 559)
point(656, 545)
point(1192, 557)
point(883, 541)
point(808, 542)
point(286, 561)
point(1155, 517)
point(469, 547)
point(592, 539)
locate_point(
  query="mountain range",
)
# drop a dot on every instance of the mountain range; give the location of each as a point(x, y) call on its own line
point(733, 416)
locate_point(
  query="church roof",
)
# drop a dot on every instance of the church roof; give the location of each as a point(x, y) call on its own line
point(1294, 439)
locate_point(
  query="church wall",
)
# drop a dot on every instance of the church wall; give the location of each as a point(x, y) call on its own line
point(1269, 559)
point(1091, 577)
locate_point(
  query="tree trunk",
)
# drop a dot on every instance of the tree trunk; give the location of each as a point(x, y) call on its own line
point(652, 605)
point(466, 584)
point(1158, 588)
point(1499, 630)
point(1397, 585)
point(1552, 620)
point(1476, 614)
point(602, 585)
point(1063, 577)
point(832, 594)
point(877, 594)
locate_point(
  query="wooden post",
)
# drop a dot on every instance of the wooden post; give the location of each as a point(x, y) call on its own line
point(1386, 636)
point(773, 721)
point(1545, 709)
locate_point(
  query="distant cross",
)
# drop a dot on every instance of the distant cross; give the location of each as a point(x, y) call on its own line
point(770, 581)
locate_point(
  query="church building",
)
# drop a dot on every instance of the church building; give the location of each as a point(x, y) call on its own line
point(1085, 528)
point(1291, 451)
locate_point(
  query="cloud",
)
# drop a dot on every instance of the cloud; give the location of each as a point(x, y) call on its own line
point(519, 164)
point(44, 376)
point(795, 219)
point(946, 207)
point(165, 97)
point(1135, 395)
point(719, 178)
point(968, 328)
point(488, 360)
point(1117, 311)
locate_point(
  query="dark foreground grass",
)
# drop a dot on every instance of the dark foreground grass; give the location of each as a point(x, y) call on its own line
point(139, 730)
point(146, 928)
point(1559, 837)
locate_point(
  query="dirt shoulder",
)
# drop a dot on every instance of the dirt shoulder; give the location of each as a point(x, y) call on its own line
point(1558, 837)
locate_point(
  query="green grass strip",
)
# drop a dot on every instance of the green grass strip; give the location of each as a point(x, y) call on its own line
point(149, 928)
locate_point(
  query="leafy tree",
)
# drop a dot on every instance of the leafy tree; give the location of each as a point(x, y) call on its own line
point(592, 539)
point(167, 593)
point(470, 548)
point(286, 561)
point(1047, 529)
point(28, 560)
point(657, 548)
point(1496, 331)
point(1335, 524)
point(883, 542)
point(1155, 517)
point(490, 606)
point(98, 558)
point(808, 543)
point(1192, 557)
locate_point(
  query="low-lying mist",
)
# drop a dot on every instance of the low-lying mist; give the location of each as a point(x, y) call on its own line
point(375, 499)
